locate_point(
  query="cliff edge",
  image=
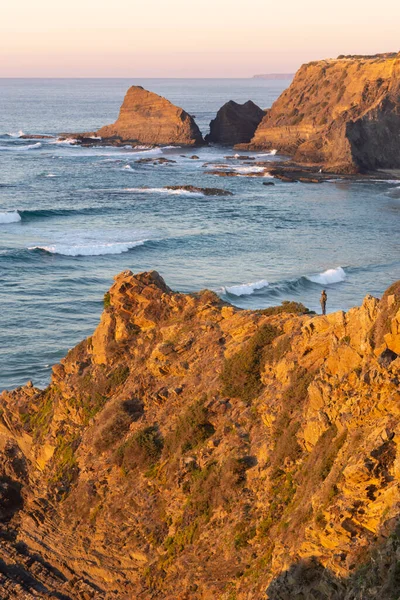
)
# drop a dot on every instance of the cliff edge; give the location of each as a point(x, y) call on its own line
point(190, 449)
point(342, 114)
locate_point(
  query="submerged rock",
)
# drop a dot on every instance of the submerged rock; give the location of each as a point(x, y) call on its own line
point(147, 118)
point(235, 123)
point(155, 161)
point(343, 114)
point(200, 190)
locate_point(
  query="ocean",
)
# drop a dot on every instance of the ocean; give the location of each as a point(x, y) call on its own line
point(71, 218)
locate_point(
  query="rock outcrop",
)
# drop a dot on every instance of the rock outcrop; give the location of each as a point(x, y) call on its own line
point(194, 450)
point(235, 123)
point(147, 118)
point(342, 114)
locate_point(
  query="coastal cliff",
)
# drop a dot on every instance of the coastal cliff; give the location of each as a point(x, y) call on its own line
point(147, 118)
point(342, 114)
point(190, 449)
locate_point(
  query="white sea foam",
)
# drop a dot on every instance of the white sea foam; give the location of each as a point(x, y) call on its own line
point(89, 249)
point(19, 134)
point(246, 289)
point(329, 276)
point(250, 169)
point(270, 153)
point(394, 192)
point(146, 151)
point(127, 168)
point(9, 217)
point(50, 175)
point(65, 141)
point(30, 146)
point(178, 192)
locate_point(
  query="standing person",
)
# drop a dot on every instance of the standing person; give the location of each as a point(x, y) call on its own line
point(323, 300)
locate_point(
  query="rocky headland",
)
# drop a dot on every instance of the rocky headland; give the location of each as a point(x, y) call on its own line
point(192, 450)
point(146, 118)
point(235, 123)
point(342, 115)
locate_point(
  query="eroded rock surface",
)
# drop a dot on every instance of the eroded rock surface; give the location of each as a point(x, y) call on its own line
point(193, 450)
point(342, 114)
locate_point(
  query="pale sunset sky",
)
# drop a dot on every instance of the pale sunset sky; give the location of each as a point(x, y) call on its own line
point(179, 38)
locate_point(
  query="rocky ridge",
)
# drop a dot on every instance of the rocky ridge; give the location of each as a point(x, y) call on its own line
point(193, 450)
point(343, 115)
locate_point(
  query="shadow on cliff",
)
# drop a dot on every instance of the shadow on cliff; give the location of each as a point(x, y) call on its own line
point(377, 577)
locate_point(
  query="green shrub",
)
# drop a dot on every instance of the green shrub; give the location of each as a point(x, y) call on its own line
point(241, 376)
point(64, 463)
point(116, 421)
point(107, 300)
point(140, 451)
point(118, 376)
point(192, 428)
point(287, 307)
point(287, 423)
point(282, 493)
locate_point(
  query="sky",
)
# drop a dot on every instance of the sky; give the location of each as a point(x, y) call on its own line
point(179, 38)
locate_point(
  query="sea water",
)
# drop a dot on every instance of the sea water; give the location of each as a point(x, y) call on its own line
point(71, 218)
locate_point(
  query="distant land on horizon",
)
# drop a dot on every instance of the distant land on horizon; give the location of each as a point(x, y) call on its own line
point(274, 76)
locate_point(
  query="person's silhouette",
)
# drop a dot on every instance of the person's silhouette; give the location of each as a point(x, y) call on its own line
point(323, 300)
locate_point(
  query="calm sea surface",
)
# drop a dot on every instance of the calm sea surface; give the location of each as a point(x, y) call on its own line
point(71, 218)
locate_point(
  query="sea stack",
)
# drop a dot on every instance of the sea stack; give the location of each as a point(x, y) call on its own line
point(235, 123)
point(342, 114)
point(147, 118)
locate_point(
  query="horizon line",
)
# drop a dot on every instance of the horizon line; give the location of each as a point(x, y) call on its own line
point(140, 77)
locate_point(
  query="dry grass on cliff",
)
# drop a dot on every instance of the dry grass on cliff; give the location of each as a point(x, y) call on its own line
point(241, 375)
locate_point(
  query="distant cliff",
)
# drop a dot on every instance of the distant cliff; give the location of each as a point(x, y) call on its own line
point(190, 449)
point(147, 118)
point(342, 114)
point(274, 76)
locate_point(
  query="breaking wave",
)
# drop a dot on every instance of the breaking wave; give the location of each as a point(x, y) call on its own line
point(246, 170)
point(394, 192)
point(178, 192)
point(10, 217)
point(30, 146)
point(65, 141)
point(270, 153)
point(245, 289)
point(289, 287)
point(329, 276)
point(89, 249)
point(19, 134)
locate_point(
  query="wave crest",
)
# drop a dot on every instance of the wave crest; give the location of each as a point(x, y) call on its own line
point(329, 276)
point(10, 217)
point(177, 192)
point(246, 289)
point(89, 249)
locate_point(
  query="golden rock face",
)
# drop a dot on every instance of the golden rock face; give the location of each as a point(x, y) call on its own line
point(341, 114)
point(190, 449)
point(147, 118)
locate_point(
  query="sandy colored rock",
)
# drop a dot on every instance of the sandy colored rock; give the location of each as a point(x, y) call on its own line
point(189, 448)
